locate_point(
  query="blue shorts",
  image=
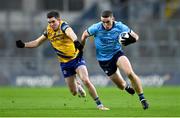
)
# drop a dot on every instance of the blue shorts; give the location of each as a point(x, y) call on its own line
point(109, 66)
point(68, 69)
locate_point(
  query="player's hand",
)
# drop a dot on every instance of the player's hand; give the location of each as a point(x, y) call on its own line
point(20, 44)
point(78, 45)
point(129, 40)
point(80, 54)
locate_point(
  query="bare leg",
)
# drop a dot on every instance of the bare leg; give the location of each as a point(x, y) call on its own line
point(125, 65)
point(83, 74)
point(71, 83)
point(118, 80)
point(121, 84)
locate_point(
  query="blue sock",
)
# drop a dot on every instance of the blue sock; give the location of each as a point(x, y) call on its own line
point(98, 102)
point(141, 96)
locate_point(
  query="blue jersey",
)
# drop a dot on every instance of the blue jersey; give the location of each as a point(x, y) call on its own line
point(106, 41)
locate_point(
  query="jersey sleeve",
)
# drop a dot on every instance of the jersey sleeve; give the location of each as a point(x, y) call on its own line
point(92, 29)
point(124, 28)
point(64, 26)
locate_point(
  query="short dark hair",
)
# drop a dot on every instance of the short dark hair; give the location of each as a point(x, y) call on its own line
point(53, 14)
point(107, 13)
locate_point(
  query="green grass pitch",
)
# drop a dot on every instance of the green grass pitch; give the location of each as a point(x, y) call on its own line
point(57, 101)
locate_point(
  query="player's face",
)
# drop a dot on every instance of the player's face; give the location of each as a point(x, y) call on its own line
point(54, 23)
point(107, 22)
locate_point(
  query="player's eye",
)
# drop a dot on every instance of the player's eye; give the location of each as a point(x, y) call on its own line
point(107, 22)
point(53, 21)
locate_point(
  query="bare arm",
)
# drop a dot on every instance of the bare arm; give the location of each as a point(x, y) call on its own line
point(134, 35)
point(70, 33)
point(84, 36)
point(35, 43)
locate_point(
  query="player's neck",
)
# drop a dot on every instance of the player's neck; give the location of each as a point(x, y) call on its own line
point(109, 28)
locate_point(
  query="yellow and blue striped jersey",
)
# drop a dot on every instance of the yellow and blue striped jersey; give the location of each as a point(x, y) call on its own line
point(62, 44)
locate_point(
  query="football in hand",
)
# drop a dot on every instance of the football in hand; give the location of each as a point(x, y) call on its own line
point(122, 36)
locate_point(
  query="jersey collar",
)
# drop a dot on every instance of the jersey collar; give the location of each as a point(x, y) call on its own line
point(108, 29)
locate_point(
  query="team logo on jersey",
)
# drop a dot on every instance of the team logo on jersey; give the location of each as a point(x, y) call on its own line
point(106, 71)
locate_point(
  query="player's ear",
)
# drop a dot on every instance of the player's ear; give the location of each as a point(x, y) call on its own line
point(58, 19)
point(113, 18)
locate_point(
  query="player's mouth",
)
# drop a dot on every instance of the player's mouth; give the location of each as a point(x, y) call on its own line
point(54, 27)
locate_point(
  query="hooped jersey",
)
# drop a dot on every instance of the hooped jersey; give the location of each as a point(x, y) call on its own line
point(62, 44)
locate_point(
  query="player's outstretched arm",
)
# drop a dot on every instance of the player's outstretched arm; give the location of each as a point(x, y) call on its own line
point(31, 44)
point(84, 36)
point(20, 44)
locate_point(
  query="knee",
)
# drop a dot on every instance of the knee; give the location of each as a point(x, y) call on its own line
point(86, 82)
point(130, 74)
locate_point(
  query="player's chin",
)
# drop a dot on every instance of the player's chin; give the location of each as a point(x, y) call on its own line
point(108, 28)
point(54, 28)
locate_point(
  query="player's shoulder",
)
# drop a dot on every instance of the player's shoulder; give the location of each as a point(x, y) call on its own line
point(118, 23)
point(63, 22)
point(64, 25)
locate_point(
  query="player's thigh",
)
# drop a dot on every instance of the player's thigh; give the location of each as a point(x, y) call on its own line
point(124, 64)
point(82, 72)
point(71, 82)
